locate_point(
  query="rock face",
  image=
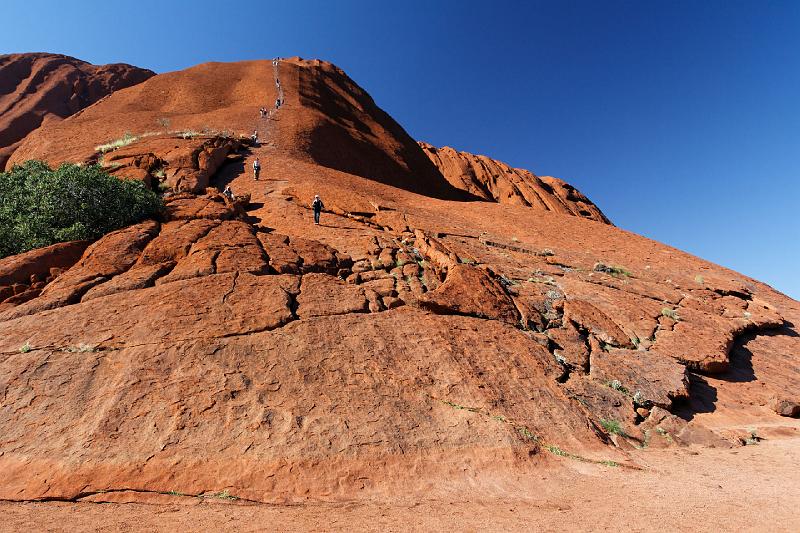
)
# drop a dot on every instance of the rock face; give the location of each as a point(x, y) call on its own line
point(183, 163)
point(23, 276)
point(45, 88)
point(413, 343)
point(494, 180)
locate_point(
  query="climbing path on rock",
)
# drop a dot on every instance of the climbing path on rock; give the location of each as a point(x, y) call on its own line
point(268, 122)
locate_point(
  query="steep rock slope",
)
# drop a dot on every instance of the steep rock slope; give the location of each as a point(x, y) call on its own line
point(337, 124)
point(411, 345)
point(490, 179)
point(39, 88)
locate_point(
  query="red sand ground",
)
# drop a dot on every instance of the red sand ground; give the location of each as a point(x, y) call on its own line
point(745, 489)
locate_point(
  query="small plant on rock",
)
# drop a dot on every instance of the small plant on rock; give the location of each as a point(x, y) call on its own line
point(638, 398)
point(616, 385)
point(615, 271)
point(670, 313)
point(754, 438)
point(224, 495)
point(25, 348)
point(555, 450)
point(613, 426)
point(125, 140)
point(82, 348)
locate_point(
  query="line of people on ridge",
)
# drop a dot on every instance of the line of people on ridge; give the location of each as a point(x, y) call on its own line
point(316, 205)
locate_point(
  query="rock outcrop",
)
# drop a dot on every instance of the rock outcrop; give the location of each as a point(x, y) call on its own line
point(23, 276)
point(45, 88)
point(411, 343)
point(183, 163)
point(490, 179)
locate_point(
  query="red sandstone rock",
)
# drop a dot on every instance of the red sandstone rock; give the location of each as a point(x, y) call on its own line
point(266, 374)
point(589, 317)
point(468, 290)
point(18, 270)
point(785, 407)
point(493, 180)
point(570, 345)
point(175, 241)
point(187, 163)
point(210, 206)
point(282, 258)
point(651, 378)
point(231, 246)
point(325, 295)
point(45, 88)
point(111, 255)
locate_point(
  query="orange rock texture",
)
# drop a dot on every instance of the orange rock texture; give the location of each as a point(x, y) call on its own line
point(489, 179)
point(429, 338)
point(41, 88)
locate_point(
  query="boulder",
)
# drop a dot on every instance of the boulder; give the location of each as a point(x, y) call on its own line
point(40, 262)
point(786, 407)
point(469, 290)
point(649, 377)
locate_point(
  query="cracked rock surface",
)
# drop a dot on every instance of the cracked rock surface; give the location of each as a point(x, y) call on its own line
point(417, 341)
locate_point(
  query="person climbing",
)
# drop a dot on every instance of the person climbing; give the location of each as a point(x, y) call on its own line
point(228, 192)
point(262, 111)
point(256, 168)
point(254, 137)
point(277, 103)
point(318, 207)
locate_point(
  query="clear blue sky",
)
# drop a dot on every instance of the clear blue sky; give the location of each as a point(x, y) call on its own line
point(681, 120)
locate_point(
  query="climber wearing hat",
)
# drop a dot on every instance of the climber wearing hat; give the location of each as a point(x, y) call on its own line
point(318, 207)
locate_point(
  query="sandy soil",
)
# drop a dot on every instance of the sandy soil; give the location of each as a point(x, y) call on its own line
point(752, 488)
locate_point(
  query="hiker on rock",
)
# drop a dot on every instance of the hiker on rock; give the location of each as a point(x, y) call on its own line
point(254, 137)
point(278, 103)
point(262, 111)
point(228, 192)
point(318, 206)
point(256, 169)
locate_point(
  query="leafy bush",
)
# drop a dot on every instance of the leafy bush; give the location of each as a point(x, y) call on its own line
point(40, 206)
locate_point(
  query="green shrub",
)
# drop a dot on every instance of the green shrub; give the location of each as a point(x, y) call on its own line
point(40, 206)
point(612, 426)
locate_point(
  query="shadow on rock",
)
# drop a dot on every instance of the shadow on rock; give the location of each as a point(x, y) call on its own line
point(702, 398)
